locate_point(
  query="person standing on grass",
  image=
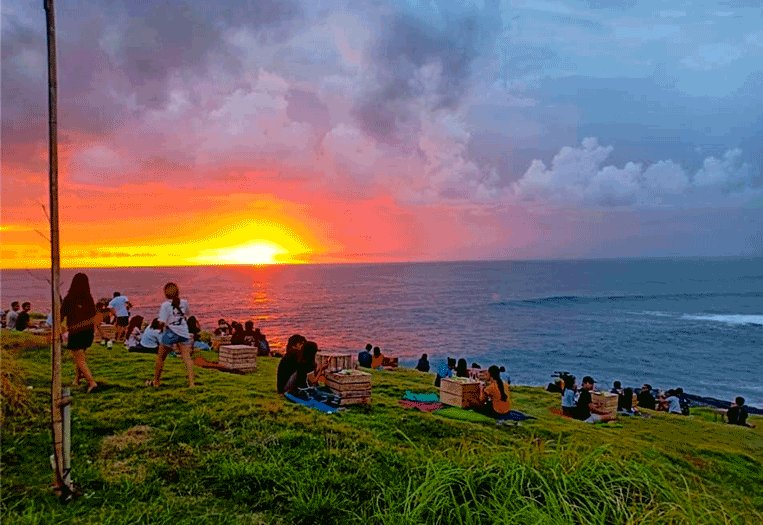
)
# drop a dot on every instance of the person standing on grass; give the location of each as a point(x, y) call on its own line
point(120, 305)
point(78, 310)
point(172, 317)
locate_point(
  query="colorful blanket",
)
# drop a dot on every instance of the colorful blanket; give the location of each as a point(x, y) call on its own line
point(422, 397)
point(420, 405)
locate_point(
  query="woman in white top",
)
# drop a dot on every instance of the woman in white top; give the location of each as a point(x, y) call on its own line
point(172, 316)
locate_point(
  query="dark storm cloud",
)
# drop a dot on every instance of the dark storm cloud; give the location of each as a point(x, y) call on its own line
point(407, 43)
point(115, 59)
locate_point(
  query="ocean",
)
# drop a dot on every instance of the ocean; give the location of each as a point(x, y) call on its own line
point(694, 323)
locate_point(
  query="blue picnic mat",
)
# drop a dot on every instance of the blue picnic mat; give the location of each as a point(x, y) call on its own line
point(463, 414)
point(514, 415)
point(421, 397)
point(316, 399)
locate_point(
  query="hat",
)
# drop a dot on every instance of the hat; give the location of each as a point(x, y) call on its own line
point(588, 379)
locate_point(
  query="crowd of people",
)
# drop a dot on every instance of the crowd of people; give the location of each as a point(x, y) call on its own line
point(245, 334)
point(576, 401)
point(174, 331)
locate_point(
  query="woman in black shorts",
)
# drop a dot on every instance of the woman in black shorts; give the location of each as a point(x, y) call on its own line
point(78, 308)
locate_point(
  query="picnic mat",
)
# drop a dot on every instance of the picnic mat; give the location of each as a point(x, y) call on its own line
point(421, 397)
point(470, 415)
point(420, 405)
point(463, 415)
point(514, 415)
point(316, 399)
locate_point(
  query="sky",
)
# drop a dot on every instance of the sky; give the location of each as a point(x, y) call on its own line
point(196, 132)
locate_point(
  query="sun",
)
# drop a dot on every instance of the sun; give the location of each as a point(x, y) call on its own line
point(256, 252)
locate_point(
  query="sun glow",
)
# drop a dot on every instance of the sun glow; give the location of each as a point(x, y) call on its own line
point(257, 252)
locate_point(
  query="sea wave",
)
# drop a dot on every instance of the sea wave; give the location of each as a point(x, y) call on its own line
point(587, 299)
point(733, 319)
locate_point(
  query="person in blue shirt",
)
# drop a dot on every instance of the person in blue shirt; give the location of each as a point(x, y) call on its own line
point(364, 357)
point(445, 370)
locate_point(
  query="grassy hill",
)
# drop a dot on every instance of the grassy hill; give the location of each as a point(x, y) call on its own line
point(232, 451)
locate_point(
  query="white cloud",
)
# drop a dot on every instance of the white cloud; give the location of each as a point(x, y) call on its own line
point(579, 176)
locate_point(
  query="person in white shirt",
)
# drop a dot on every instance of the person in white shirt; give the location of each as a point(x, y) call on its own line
point(13, 314)
point(172, 317)
point(134, 331)
point(150, 339)
point(120, 306)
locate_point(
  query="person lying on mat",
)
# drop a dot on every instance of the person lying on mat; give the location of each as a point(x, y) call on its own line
point(495, 397)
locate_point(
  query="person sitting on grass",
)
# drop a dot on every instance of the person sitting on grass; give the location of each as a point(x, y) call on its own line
point(645, 397)
point(223, 328)
point(23, 319)
point(364, 357)
point(237, 333)
point(445, 370)
point(149, 340)
point(461, 369)
point(568, 395)
point(495, 397)
point(261, 342)
point(737, 414)
point(423, 364)
point(134, 331)
point(673, 401)
point(585, 410)
point(377, 361)
point(309, 368)
point(195, 329)
point(286, 376)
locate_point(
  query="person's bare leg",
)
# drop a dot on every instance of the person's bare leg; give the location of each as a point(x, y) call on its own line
point(161, 355)
point(81, 363)
point(185, 353)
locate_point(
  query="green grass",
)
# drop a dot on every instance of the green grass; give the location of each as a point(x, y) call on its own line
point(232, 451)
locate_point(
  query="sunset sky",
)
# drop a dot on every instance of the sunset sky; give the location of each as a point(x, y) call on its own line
point(197, 132)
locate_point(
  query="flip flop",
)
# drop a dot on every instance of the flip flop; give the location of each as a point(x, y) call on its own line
point(150, 382)
point(92, 389)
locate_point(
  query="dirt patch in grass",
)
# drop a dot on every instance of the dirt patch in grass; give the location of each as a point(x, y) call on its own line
point(129, 440)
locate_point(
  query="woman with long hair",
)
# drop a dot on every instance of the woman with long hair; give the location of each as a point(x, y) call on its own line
point(172, 317)
point(78, 309)
point(495, 395)
point(461, 368)
point(134, 331)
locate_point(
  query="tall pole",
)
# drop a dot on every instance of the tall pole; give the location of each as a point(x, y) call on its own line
point(56, 394)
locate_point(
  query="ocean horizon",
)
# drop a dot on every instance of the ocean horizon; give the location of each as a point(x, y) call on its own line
point(690, 322)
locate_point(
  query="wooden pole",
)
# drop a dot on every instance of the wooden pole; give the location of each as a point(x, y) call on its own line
point(56, 394)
